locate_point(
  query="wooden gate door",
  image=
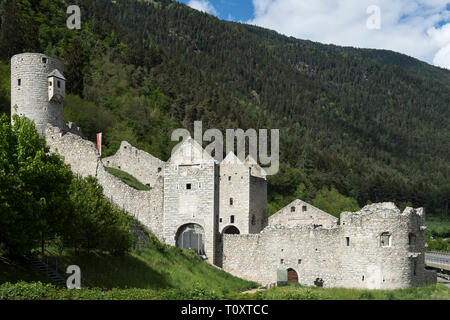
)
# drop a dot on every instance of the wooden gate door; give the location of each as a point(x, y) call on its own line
point(292, 276)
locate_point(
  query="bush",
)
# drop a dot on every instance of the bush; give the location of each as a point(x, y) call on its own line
point(25, 291)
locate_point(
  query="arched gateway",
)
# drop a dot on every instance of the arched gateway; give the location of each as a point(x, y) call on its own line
point(191, 236)
point(231, 230)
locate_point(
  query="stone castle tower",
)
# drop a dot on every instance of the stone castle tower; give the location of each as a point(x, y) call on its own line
point(38, 89)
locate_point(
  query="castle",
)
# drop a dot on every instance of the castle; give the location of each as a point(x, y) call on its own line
point(220, 209)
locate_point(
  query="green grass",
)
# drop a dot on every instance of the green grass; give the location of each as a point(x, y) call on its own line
point(40, 291)
point(128, 179)
point(155, 270)
point(298, 292)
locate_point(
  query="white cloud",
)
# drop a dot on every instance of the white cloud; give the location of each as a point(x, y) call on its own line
point(442, 57)
point(407, 26)
point(202, 5)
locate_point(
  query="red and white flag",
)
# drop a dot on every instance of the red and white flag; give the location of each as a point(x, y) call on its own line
point(99, 143)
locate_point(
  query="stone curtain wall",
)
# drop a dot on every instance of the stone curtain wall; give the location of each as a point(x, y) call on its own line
point(312, 215)
point(323, 254)
point(83, 157)
point(81, 154)
point(31, 96)
point(140, 164)
point(146, 206)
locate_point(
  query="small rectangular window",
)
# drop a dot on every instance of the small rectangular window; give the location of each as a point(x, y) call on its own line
point(385, 239)
point(59, 84)
point(220, 220)
point(231, 201)
point(299, 261)
point(188, 186)
point(304, 208)
point(232, 219)
point(292, 209)
point(19, 82)
point(281, 261)
point(49, 83)
point(347, 241)
point(229, 178)
point(44, 60)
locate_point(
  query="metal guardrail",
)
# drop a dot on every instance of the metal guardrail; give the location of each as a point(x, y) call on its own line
point(438, 260)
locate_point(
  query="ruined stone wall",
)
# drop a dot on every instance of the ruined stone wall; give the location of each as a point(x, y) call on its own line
point(140, 164)
point(84, 159)
point(81, 154)
point(258, 204)
point(349, 255)
point(235, 185)
point(197, 204)
point(31, 96)
point(299, 212)
point(145, 206)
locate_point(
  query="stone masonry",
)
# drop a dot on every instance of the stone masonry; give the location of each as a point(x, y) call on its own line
point(220, 209)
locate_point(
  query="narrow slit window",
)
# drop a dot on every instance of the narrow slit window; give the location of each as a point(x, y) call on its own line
point(232, 219)
point(411, 239)
point(347, 241)
point(231, 201)
point(19, 82)
point(59, 84)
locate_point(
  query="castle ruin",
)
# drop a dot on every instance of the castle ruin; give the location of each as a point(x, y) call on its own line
point(220, 209)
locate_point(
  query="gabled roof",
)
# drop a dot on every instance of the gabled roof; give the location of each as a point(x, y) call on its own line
point(190, 152)
point(57, 74)
point(312, 215)
point(231, 158)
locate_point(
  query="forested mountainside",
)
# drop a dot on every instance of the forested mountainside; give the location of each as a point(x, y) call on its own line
point(355, 124)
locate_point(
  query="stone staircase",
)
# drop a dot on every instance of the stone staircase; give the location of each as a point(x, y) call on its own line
point(45, 269)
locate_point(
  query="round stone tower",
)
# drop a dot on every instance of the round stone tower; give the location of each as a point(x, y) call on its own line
point(38, 89)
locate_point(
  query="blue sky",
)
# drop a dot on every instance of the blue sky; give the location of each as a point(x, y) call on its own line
point(418, 28)
point(235, 10)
